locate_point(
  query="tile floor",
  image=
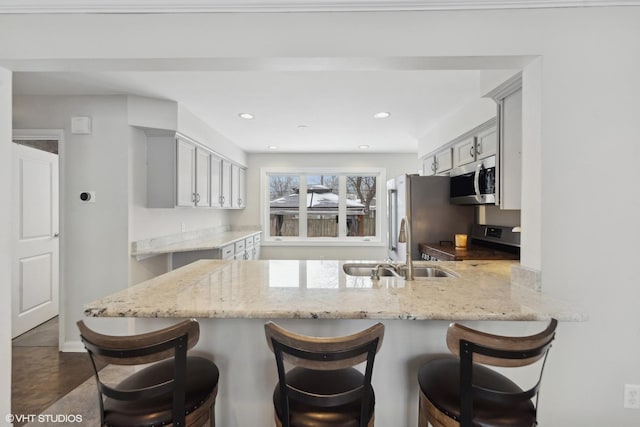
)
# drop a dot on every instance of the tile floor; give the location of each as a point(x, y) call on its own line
point(41, 375)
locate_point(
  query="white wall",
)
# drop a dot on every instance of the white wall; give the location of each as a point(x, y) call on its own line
point(394, 164)
point(587, 155)
point(469, 116)
point(5, 240)
point(94, 239)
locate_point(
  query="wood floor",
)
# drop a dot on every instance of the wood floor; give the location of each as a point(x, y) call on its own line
point(40, 373)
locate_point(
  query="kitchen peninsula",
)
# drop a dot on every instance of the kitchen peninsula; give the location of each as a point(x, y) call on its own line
point(233, 299)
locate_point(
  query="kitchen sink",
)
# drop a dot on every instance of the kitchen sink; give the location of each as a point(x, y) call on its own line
point(367, 269)
point(430, 272)
point(358, 269)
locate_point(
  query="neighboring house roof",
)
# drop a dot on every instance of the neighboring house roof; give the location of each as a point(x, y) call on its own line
point(319, 199)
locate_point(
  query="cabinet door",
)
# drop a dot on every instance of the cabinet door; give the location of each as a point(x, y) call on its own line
point(186, 182)
point(203, 177)
point(464, 152)
point(242, 188)
point(444, 161)
point(429, 166)
point(235, 186)
point(216, 181)
point(486, 143)
point(226, 184)
point(510, 119)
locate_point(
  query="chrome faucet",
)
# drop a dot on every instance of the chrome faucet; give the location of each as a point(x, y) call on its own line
point(404, 236)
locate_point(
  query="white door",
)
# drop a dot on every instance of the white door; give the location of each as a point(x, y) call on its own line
point(35, 231)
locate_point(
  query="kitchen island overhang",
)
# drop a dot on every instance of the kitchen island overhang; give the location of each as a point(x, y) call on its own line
point(233, 299)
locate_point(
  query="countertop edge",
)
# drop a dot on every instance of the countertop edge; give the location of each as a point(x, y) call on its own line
point(207, 241)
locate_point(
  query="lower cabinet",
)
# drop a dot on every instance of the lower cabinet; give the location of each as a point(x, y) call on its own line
point(243, 249)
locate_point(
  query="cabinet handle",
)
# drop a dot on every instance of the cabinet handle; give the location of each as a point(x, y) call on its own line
point(472, 152)
point(479, 148)
point(239, 201)
point(197, 197)
point(433, 166)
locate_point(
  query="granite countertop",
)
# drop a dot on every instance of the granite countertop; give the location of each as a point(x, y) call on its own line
point(191, 241)
point(448, 252)
point(270, 289)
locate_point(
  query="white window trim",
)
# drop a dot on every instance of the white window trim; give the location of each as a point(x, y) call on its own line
point(342, 239)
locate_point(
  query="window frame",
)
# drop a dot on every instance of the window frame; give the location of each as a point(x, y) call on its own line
point(342, 239)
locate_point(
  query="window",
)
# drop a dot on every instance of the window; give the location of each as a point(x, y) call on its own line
point(320, 206)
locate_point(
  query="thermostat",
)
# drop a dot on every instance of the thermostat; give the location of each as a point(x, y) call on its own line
point(88, 196)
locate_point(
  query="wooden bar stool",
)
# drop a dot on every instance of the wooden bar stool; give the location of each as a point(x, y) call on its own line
point(177, 389)
point(323, 388)
point(462, 392)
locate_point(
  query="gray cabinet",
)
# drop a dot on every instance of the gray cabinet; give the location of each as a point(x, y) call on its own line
point(439, 163)
point(238, 186)
point(477, 146)
point(178, 173)
point(510, 123)
point(225, 184)
point(246, 248)
point(183, 173)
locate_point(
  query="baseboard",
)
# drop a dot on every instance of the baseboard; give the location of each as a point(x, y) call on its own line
point(72, 347)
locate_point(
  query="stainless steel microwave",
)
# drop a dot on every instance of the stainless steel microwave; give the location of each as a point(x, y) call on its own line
point(474, 183)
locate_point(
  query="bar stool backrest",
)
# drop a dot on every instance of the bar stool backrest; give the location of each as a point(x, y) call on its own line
point(173, 341)
point(533, 347)
point(482, 348)
point(321, 353)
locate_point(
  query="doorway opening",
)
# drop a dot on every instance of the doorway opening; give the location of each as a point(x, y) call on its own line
point(37, 253)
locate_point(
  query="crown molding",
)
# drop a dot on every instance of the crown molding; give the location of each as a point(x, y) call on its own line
point(196, 6)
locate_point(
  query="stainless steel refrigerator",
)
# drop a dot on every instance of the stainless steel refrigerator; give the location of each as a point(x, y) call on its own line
point(424, 201)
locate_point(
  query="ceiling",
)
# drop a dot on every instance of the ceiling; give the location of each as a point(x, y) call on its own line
point(165, 6)
point(295, 111)
point(313, 106)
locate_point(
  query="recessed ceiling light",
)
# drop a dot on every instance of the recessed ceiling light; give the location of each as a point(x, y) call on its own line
point(273, 147)
point(364, 147)
point(246, 116)
point(302, 127)
point(381, 115)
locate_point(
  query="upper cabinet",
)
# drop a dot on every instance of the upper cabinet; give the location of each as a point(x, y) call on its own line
point(483, 143)
point(510, 122)
point(238, 186)
point(439, 163)
point(183, 173)
point(508, 96)
point(225, 185)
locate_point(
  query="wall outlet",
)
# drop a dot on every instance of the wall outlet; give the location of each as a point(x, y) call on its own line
point(632, 396)
point(183, 227)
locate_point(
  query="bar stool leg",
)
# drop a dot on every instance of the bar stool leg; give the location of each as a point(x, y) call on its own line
point(422, 417)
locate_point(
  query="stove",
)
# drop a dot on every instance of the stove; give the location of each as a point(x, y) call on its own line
point(492, 242)
point(495, 234)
